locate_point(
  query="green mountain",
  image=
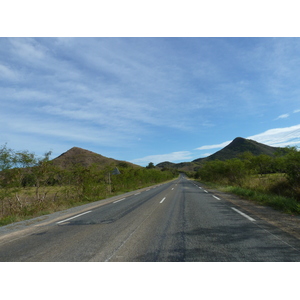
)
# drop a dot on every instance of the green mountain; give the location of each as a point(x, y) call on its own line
point(238, 146)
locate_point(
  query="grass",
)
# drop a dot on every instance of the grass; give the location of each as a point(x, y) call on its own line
point(270, 190)
point(281, 203)
point(24, 204)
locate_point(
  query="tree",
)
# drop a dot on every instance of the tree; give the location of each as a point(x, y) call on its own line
point(150, 166)
point(262, 164)
point(6, 158)
point(292, 162)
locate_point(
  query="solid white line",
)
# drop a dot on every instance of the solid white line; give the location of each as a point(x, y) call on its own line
point(216, 197)
point(73, 217)
point(244, 215)
point(162, 200)
point(119, 200)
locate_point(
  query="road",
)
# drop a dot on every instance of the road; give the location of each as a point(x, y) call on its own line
point(176, 221)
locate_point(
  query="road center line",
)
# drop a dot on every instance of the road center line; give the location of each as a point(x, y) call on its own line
point(74, 217)
point(244, 215)
point(205, 191)
point(162, 200)
point(119, 200)
point(216, 197)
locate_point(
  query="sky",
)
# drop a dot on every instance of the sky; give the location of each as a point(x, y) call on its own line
point(148, 99)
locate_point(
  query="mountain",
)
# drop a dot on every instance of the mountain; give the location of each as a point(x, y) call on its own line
point(79, 156)
point(237, 147)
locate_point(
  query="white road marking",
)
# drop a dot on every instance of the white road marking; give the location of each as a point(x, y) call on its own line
point(200, 187)
point(119, 200)
point(136, 194)
point(244, 215)
point(147, 190)
point(172, 189)
point(74, 217)
point(205, 191)
point(216, 197)
point(162, 200)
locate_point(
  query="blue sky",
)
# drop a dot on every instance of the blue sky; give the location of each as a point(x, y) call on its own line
point(148, 99)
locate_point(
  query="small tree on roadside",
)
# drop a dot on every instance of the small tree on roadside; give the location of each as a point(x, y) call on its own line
point(292, 163)
point(150, 165)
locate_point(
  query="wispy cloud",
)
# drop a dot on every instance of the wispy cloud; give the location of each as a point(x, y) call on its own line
point(284, 116)
point(207, 147)
point(6, 73)
point(279, 137)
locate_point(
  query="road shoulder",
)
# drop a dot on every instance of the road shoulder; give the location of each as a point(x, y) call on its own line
point(288, 223)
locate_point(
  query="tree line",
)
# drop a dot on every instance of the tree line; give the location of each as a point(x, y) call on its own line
point(235, 171)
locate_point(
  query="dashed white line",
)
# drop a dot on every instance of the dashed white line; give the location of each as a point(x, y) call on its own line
point(172, 189)
point(244, 215)
point(162, 200)
point(119, 200)
point(136, 194)
point(73, 217)
point(216, 197)
point(205, 191)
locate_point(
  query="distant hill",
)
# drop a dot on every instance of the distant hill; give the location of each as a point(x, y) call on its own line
point(237, 147)
point(79, 156)
point(166, 164)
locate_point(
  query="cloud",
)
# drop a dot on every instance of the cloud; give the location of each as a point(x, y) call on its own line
point(207, 147)
point(206, 154)
point(296, 111)
point(284, 116)
point(279, 137)
point(80, 78)
point(7, 73)
point(28, 49)
point(172, 157)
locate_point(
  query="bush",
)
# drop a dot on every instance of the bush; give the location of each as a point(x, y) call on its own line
point(292, 162)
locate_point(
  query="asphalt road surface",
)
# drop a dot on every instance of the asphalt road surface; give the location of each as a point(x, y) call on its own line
point(176, 221)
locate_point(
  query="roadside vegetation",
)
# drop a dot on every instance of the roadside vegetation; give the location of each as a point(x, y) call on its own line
point(31, 186)
point(268, 180)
